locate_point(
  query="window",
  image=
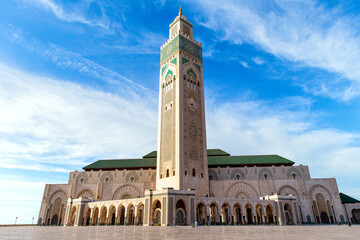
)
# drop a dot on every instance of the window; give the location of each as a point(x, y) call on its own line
point(201, 175)
point(193, 172)
point(82, 180)
point(211, 177)
point(167, 173)
point(173, 173)
point(107, 179)
point(237, 176)
point(160, 176)
point(132, 179)
point(293, 175)
point(185, 173)
point(266, 176)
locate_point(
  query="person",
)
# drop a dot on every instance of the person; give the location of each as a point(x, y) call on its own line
point(196, 223)
point(349, 224)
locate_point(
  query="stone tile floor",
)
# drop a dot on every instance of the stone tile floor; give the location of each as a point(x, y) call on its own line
point(183, 233)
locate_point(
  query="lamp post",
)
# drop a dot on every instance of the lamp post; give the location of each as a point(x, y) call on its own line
point(16, 220)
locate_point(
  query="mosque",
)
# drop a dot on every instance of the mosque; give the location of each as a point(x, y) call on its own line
point(183, 182)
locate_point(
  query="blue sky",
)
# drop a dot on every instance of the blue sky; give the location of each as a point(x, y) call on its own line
point(78, 82)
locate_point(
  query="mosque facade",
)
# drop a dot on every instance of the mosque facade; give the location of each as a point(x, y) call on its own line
point(183, 182)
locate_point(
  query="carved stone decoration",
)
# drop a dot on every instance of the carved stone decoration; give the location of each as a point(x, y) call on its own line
point(130, 190)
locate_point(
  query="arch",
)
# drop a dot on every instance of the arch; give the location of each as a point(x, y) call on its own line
point(240, 187)
point(140, 214)
point(86, 194)
point(259, 213)
point(288, 214)
point(214, 213)
point(82, 178)
point(249, 213)
point(213, 174)
point(156, 213)
point(95, 217)
point(58, 194)
point(121, 215)
point(87, 217)
point(132, 175)
point(237, 214)
point(169, 72)
point(54, 220)
point(270, 215)
point(201, 213)
point(180, 213)
point(320, 189)
point(131, 215)
point(127, 189)
point(322, 208)
point(237, 174)
point(292, 171)
point(226, 213)
point(287, 190)
point(107, 178)
point(112, 215)
point(265, 174)
point(355, 216)
point(72, 216)
point(103, 216)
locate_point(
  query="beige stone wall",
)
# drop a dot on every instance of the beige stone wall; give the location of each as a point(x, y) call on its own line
point(273, 172)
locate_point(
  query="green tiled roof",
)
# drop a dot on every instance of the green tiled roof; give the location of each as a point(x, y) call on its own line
point(249, 160)
point(153, 154)
point(216, 157)
point(347, 199)
point(122, 164)
point(217, 152)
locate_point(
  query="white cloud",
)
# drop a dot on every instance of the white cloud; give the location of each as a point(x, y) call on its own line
point(258, 60)
point(46, 121)
point(244, 64)
point(251, 127)
point(74, 14)
point(304, 32)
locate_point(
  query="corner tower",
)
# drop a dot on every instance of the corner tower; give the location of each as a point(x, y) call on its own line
point(182, 155)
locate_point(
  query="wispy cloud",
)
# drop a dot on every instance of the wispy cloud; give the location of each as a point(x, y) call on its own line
point(258, 60)
point(74, 13)
point(47, 121)
point(304, 32)
point(290, 130)
point(244, 64)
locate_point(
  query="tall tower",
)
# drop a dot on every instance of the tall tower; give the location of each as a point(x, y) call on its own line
point(182, 155)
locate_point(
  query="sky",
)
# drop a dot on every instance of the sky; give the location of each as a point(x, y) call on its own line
point(79, 82)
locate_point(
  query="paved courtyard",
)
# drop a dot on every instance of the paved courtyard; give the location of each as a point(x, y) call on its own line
point(184, 233)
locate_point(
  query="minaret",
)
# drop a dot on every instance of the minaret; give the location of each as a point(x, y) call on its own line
point(182, 154)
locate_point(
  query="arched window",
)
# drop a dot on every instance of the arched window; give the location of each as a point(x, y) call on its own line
point(201, 175)
point(167, 172)
point(160, 176)
point(132, 179)
point(82, 180)
point(211, 177)
point(237, 176)
point(107, 180)
point(173, 173)
point(266, 176)
point(193, 172)
point(293, 175)
point(185, 173)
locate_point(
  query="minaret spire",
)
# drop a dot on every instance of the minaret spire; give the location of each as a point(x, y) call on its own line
point(180, 11)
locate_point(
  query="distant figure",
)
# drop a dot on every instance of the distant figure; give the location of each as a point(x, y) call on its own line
point(349, 224)
point(196, 223)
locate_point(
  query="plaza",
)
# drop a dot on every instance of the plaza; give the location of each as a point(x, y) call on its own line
point(184, 232)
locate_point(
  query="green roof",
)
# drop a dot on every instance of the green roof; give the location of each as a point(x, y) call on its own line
point(347, 199)
point(217, 152)
point(249, 160)
point(122, 164)
point(216, 158)
point(153, 154)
